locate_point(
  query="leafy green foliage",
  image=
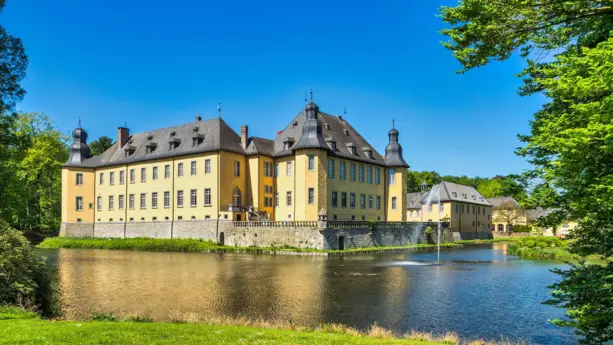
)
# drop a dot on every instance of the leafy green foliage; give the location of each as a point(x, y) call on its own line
point(24, 279)
point(13, 64)
point(570, 144)
point(541, 242)
point(100, 145)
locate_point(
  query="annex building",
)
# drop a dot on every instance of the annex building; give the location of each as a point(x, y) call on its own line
point(204, 170)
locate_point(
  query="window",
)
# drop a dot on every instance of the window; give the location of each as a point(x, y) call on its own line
point(311, 163)
point(311, 195)
point(352, 171)
point(362, 201)
point(378, 202)
point(101, 178)
point(166, 199)
point(207, 166)
point(343, 199)
point(377, 175)
point(79, 203)
point(154, 200)
point(288, 199)
point(122, 177)
point(335, 199)
point(277, 199)
point(167, 171)
point(193, 168)
point(131, 201)
point(478, 210)
point(361, 173)
point(112, 178)
point(267, 169)
point(369, 175)
point(207, 196)
point(79, 179)
point(237, 197)
point(143, 174)
point(473, 209)
point(132, 176)
point(276, 170)
point(121, 202)
point(462, 208)
point(193, 197)
point(351, 200)
point(143, 200)
point(343, 174)
point(370, 201)
point(430, 208)
point(155, 173)
point(392, 176)
point(111, 202)
point(394, 203)
point(99, 203)
point(237, 168)
point(330, 168)
point(457, 208)
point(179, 198)
point(441, 208)
point(180, 169)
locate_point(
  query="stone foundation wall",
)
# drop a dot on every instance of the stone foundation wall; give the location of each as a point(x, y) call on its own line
point(469, 235)
point(268, 234)
point(77, 230)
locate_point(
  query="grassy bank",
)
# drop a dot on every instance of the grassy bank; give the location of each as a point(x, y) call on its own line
point(547, 248)
point(188, 245)
point(18, 327)
point(493, 240)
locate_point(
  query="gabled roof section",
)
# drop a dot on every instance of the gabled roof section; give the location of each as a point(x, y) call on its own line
point(414, 201)
point(260, 146)
point(450, 191)
point(496, 202)
point(214, 134)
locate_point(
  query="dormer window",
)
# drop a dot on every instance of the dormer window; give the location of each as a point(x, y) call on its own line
point(129, 150)
point(331, 144)
point(352, 149)
point(287, 143)
point(367, 152)
point(295, 123)
point(197, 139)
point(195, 129)
point(455, 194)
point(172, 134)
point(327, 126)
point(346, 131)
point(173, 143)
point(465, 196)
point(151, 147)
point(150, 137)
point(474, 197)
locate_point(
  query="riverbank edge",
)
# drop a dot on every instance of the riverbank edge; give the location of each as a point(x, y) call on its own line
point(554, 253)
point(199, 246)
point(20, 326)
point(489, 241)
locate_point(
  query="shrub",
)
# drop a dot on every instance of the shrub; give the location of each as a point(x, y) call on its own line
point(541, 242)
point(522, 228)
point(24, 278)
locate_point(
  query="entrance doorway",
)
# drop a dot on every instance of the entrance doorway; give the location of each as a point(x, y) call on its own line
point(341, 243)
point(222, 239)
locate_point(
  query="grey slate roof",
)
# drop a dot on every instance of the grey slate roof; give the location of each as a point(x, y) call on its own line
point(496, 202)
point(414, 201)
point(450, 191)
point(217, 136)
point(260, 146)
point(334, 128)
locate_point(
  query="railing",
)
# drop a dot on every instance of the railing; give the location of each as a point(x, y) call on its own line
point(275, 224)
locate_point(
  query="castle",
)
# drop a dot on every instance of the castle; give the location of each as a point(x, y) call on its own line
point(203, 170)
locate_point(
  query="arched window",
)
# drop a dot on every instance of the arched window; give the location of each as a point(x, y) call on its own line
point(510, 227)
point(236, 197)
point(500, 228)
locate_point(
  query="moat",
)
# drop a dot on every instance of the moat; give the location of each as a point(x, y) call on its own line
point(477, 291)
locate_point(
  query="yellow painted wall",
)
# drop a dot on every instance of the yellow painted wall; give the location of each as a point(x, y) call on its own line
point(339, 185)
point(70, 190)
point(199, 182)
point(253, 182)
point(471, 217)
point(148, 186)
point(285, 184)
point(228, 181)
point(397, 190)
point(266, 181)
point(306, 179)
point(105, 190)
point(499, 218)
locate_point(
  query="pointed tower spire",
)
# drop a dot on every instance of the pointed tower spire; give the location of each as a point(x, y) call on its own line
point(393, 150)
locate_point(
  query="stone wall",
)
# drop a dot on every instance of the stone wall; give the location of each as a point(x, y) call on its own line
point(469, 235)
point(270, 234)
point(77, 230)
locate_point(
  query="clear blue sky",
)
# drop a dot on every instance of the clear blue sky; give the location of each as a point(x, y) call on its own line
point(156, 64)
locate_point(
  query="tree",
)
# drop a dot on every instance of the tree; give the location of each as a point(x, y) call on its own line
point(570, 143)
point(99, 146)
point(416, 178)
point(508, 212)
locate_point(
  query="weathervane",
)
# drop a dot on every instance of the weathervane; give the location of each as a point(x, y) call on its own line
point(79, 121)
point(219, 109)
point(345, 111)
point(311, 95)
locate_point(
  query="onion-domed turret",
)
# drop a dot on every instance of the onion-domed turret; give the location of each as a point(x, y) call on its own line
point(79, 151)
point(393, 150)
point(312, 136)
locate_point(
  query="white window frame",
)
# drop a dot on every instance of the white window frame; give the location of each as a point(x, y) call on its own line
point(166, 199)
point(193, 197)
point(143, 201)
point(79, 179)
point(193, 168)
point(207, 197)
point(154, 199)
point(311, 163)
point(311, 196)
point(207, 166)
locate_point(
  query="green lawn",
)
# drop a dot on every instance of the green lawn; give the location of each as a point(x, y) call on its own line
point(27, 329)
point(189, 245)
point(493, 240)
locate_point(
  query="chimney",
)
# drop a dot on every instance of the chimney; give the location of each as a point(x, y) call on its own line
point(244, 135)
point(123, 134)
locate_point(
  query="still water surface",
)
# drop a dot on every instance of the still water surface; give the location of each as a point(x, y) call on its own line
point(477, 291)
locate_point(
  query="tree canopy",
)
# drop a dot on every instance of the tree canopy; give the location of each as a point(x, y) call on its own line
point(100, 145)
point(570, 143)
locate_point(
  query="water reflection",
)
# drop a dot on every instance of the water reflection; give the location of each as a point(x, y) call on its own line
point(476, 291)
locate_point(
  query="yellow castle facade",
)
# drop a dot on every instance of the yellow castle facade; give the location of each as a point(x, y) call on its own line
point(203, 170)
